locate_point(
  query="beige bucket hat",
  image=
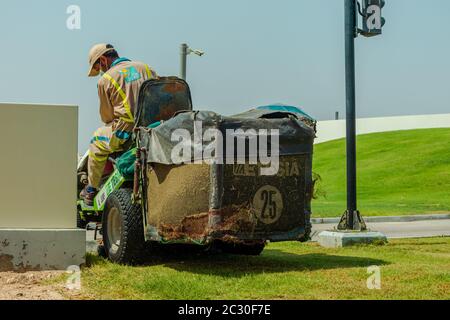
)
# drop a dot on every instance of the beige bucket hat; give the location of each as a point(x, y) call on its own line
point(94, 54)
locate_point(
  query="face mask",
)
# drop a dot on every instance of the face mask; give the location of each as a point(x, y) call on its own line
point(102, 73)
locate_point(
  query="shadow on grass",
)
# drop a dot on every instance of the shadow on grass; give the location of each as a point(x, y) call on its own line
point(271, 261)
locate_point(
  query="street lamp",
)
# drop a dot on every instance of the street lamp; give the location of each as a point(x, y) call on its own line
point(372, 24)
point(351, 215)
point(351, 228)
point(185, 51)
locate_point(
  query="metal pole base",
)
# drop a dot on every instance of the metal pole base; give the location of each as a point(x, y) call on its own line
point(358, 222)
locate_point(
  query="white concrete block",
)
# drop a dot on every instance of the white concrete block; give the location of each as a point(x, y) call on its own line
point(38, 166)
point(337, 239)
point(45, 249)
point(39, 188)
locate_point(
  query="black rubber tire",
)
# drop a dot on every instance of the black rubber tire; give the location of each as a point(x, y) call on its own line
point(132, 243)
point(243, 249)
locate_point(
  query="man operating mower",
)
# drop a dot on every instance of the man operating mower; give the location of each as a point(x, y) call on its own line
point(118, 90)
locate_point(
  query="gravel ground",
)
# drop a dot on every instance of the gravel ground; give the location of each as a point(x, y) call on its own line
point(29, 286)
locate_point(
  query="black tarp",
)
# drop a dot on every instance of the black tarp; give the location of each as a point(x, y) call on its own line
point(296, 136)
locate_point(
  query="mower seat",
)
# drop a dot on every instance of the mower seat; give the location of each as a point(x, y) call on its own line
point(161, 99)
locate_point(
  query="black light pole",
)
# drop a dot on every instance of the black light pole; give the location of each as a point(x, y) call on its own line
point(372, 23)
point(350, 35)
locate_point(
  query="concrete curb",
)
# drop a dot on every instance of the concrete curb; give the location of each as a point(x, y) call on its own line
point(387, 219)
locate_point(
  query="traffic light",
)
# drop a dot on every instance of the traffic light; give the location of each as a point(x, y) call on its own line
point(373, 21)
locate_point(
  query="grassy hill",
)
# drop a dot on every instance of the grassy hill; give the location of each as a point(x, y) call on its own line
point(402, 172)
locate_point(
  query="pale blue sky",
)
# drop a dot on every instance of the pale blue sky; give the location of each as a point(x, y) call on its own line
point(258, 52)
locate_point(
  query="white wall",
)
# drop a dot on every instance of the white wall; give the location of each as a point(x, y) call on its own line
point(38, 166)
point(335, 129)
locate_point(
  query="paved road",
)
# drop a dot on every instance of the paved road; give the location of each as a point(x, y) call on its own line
point(414, 229)
point(392, 230)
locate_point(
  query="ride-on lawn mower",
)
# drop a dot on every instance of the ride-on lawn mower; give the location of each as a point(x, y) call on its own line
point(170, 188)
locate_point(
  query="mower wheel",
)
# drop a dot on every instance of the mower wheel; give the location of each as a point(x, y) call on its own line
point(123, 230)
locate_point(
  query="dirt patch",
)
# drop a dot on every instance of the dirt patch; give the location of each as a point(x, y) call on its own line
point(195, 224)
point(29, 286)
point(192, 227)
point(237, 219)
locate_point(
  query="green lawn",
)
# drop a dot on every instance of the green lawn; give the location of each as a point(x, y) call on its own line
point(403, 172)
point(410, 269)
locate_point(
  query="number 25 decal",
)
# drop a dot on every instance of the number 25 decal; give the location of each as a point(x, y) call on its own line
point(269, 209)
point(268, 204)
